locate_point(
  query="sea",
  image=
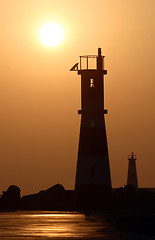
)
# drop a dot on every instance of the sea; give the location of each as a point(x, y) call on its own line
point(46, 225)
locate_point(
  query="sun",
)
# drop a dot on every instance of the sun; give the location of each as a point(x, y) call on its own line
point(51, 34)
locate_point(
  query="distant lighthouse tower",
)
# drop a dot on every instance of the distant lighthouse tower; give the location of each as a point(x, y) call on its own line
point(132, 172)
point(93, 180)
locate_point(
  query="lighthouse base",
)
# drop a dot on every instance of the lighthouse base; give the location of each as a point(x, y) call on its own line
point(92, 197)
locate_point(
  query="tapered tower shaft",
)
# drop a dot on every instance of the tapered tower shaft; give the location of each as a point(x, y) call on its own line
point(132, 172)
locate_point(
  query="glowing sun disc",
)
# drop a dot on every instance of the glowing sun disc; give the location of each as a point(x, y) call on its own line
point(51, 34)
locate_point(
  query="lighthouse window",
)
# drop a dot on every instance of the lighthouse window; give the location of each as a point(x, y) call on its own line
point(92, 172)
point(91, 82)
point(92, 124)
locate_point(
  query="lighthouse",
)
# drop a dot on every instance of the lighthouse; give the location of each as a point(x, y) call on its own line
point(132, 172)
point(93, 180)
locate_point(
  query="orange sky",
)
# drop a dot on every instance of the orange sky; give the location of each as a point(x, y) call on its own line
point(39, 96)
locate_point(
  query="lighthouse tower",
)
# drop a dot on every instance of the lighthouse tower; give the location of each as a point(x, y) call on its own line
point(93, 180)
point(132, 173)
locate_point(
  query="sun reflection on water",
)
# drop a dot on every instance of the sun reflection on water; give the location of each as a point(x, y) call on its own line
point(54, 225)
point(42, 225)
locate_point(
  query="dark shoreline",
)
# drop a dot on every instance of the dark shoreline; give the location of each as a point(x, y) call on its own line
point(127, 221)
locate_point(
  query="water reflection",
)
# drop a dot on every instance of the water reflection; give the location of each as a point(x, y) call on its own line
point(54, 225)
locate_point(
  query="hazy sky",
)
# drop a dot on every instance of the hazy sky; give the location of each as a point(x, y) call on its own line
point(40, 97)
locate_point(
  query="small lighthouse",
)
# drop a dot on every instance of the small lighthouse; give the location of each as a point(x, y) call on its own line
point(132, 172)
point(93, 180)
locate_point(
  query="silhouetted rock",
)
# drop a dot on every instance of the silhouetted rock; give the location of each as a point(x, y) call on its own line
point(146, 199)
point(57, 198)
point(54, 198)
point(132, 198)
point(10, 200)
point(54, 190)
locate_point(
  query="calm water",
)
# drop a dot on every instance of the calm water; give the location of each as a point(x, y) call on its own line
point(53, 225)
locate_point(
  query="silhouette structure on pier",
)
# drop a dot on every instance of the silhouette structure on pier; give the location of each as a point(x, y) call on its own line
point(93, 180)
point(132, 172)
